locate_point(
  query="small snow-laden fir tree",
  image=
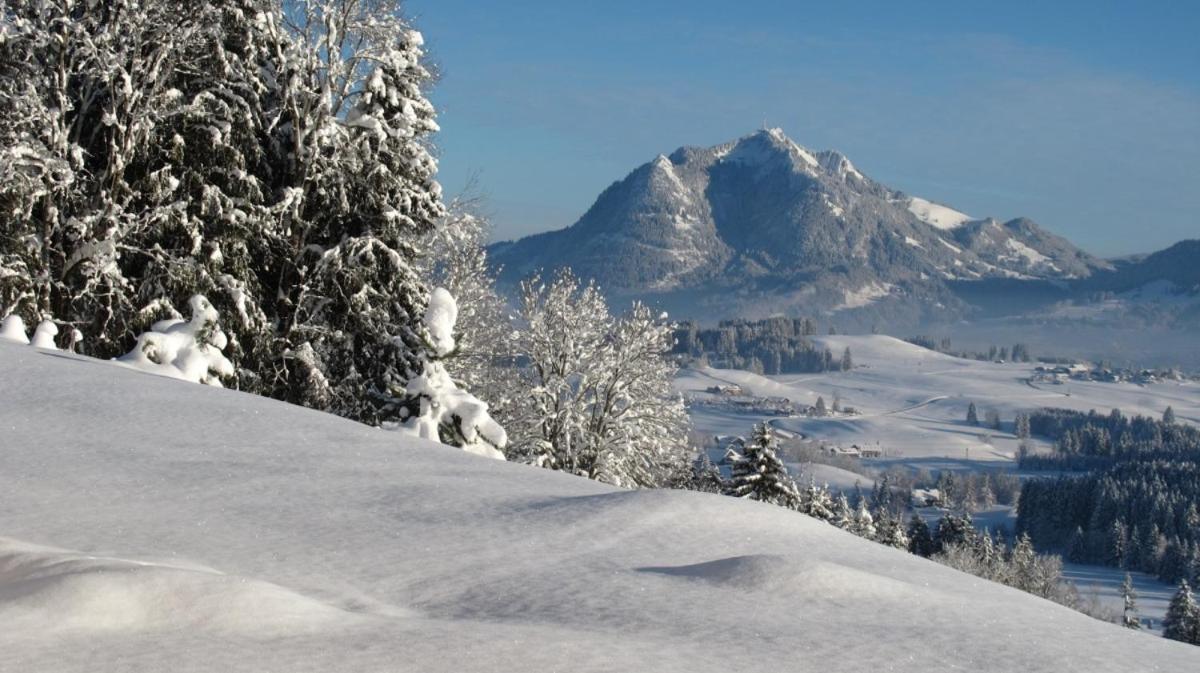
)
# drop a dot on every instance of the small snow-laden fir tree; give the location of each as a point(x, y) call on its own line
point(705, 475)
point(920, 539)
point(454, 256)
point(890, 531)
point(1129, 615)
point(843, 513)
point(953, 529)
point(188, 350)
point(1182, 621)
point(447, 413)
point(600, 402)
point(759, 474)
point(701, 475)
point(816, 502)
point(863, 524)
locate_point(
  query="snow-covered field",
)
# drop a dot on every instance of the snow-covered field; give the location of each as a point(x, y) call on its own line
point(1104, 584)
point(155, 525)
point(913, 402)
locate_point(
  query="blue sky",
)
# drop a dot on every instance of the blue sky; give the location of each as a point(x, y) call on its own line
point(1084, 116)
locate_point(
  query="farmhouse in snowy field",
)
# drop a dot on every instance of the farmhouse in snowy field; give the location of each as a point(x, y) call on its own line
point(926, 497)
point(853, 451)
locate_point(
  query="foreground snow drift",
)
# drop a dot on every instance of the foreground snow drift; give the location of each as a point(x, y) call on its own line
point(221, 532)
point(54, 591)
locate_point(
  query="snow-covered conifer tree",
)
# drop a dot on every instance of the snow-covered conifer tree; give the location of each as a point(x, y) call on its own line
point(890, 531)
point(759, 474)
point(920, 540)
point(454, 256)
point(816, 502)
point(447, 413)
point(705, 476)
point(273, 158)
point(843, 513)
point(362, 190)
point(1182, 621)
point(1129, 615)
point(863, 524)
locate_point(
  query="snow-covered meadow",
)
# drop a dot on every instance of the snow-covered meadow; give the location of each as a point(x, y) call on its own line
point(154, 525)
point(913, 402)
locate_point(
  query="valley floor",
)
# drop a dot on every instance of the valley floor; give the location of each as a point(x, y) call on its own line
point(913, 403)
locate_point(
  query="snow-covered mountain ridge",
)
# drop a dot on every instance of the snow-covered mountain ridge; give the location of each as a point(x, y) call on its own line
point(154, 525)
point(762, 224)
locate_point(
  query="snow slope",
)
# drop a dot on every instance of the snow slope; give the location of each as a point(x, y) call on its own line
point(154, 525)
point(936, 214)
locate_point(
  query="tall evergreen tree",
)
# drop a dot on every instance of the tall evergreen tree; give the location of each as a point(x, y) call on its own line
point(1118, 544)
point(847, 361)
point(1169, 416)
point(277, 162)
point(972, 414)
point(1076, 546)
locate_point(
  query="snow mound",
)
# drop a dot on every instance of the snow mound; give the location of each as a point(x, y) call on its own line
point(878, 347)
point(443, 403)
point(13, 329)
point(440, 318)
point(43, 336)
point(778, 573)
point(188, 350)
point(44, 589)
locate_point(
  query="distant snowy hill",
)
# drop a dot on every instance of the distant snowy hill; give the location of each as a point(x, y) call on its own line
point(762, 225)
point(155, 525)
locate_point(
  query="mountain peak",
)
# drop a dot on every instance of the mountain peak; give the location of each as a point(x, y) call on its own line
point(765, 145)
point(762, 216)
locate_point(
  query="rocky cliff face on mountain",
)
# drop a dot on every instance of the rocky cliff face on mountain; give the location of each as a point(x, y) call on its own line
point(761, 226)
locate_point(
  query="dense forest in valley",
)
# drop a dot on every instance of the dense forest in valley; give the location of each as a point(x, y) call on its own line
point(1138, 506)
point(770, 346)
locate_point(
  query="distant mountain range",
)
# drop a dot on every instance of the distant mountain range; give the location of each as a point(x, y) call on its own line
point(762, 226)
